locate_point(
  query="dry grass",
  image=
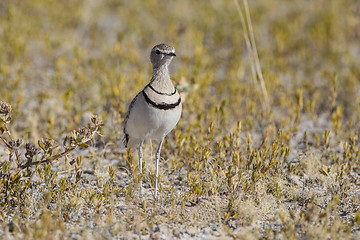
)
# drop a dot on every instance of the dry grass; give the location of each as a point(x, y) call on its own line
point(238, 165)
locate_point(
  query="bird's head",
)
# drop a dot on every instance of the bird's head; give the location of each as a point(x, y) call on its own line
point(162, 54)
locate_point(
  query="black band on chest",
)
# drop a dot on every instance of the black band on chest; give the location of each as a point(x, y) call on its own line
point(162, 106)
point(161, 93)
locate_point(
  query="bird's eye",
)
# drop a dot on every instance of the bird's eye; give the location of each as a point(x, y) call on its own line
point(157, 52)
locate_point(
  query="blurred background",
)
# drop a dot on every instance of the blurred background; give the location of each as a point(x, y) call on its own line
point(63, 60)
point(236, 163)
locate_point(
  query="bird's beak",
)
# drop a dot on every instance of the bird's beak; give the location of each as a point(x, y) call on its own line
point(172, 54)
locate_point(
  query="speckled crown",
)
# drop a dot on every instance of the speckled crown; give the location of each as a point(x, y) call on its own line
point(164, 48)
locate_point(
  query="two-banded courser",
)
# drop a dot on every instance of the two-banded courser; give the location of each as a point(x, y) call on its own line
point(154, 111)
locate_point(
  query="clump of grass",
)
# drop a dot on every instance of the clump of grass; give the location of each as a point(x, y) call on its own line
point(16, 180)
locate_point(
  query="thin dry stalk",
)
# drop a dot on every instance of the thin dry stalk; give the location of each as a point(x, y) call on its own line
point(248, 32)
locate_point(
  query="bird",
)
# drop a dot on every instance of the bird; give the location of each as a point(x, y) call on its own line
point(154, 111)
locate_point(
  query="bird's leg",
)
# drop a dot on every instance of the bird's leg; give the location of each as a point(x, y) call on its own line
point(157, 156)
point(140, 167)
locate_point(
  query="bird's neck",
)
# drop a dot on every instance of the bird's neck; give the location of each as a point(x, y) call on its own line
point(160, 79)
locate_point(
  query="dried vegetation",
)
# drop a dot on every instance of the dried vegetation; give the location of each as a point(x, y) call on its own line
point(264, 149)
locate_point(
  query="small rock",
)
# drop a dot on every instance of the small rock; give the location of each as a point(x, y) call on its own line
point(177, 232)
point(164, 230)
point(192, 231)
